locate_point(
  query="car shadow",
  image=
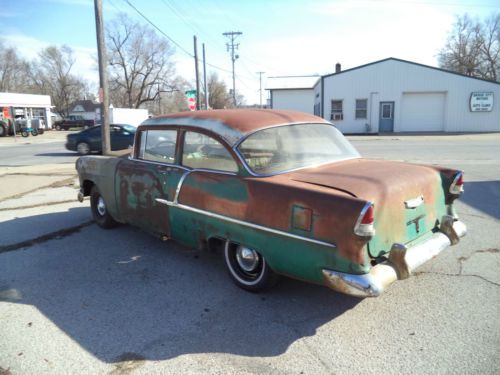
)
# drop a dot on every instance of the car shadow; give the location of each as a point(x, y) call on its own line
point(124, 295)
point(475, 193)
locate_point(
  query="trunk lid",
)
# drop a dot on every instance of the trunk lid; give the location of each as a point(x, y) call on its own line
point(408, 199)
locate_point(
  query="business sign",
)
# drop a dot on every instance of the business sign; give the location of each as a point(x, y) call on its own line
point(481, 102)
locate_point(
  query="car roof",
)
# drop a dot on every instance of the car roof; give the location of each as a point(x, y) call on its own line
point(233, 124)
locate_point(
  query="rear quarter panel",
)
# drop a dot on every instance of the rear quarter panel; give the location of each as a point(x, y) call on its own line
point(101, 171)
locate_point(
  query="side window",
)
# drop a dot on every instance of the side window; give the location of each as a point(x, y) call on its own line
point(337, 110)
point(201, 151)
point(361, 109)
point(158, 145)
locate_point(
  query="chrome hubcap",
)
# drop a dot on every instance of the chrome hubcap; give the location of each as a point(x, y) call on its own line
point(248, 259)
point(101, 206)
point(83, 148)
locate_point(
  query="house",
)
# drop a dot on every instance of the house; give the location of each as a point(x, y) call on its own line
point(88, 109)
point(394, 95)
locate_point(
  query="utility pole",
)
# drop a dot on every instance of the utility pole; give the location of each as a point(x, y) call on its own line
point(103, 78)
point(260, 86)
point(159, 100)
point(196, 73)
point(205, 84)
point(231, 47)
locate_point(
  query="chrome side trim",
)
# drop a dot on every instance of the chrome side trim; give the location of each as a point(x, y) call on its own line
point(178, 188)
point(241, 222)
point(159, 163)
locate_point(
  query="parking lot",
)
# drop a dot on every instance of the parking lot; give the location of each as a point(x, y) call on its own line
point(78, 299)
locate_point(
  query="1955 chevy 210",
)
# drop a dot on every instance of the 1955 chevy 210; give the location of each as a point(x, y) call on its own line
point(282, 193)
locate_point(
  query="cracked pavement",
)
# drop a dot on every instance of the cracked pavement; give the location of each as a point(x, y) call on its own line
point(77, 299)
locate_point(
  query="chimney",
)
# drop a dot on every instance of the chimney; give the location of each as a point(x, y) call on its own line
point(337, 67)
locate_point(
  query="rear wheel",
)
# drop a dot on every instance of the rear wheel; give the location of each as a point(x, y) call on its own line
point(58, 127)
point(99, 210)
point(34, 133)
point(3, 129)
point(83, 148)
point(248, 268)
point(25, 133)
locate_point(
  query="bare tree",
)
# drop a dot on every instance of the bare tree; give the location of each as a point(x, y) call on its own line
point(139, 60)
point(51, 75)
point(473, 48)
point(13, 70)
point(219, 96)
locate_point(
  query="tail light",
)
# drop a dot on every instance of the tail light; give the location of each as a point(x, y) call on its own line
point(364, 226)
point(457, 186)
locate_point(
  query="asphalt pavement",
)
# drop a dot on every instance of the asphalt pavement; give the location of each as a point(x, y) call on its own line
point(78, 299)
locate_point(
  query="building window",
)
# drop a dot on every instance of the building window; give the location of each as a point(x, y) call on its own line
point(361, 109)
point(337, 112)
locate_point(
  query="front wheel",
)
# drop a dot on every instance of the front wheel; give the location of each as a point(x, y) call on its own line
point(83, 148)
point(248, 268)
point(3, 129)
point(34, 133)
point(99, 210)
point(25, 133)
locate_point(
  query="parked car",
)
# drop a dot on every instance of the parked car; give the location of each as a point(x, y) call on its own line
point(90, 140)
point(73, 121)
point(280, 193)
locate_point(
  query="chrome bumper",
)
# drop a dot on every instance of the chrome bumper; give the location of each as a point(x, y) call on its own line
point(402, 261)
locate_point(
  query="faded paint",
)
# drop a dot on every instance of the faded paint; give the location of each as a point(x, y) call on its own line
point(321, 204)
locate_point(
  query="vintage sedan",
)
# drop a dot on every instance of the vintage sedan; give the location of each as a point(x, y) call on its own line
point(280, 193)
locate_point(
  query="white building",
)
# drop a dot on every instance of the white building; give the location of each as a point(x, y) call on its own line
point(296, 92)
point(394, 95)
point(26, 106)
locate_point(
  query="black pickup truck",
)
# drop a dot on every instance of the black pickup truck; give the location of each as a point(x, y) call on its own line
point(73, 122)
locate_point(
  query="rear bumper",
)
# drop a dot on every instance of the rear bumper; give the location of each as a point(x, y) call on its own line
point(402, 261)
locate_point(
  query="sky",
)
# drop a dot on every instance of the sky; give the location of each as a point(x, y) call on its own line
point(279, 37)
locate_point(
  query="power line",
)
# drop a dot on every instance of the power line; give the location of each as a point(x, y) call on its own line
point(157, 28)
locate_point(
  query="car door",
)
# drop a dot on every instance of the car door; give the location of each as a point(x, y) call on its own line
point(121, 138)
point(152, 173)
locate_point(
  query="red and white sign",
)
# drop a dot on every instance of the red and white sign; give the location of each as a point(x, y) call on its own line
point(192, 104)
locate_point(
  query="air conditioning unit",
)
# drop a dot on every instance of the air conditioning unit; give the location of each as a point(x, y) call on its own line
point(336, 116)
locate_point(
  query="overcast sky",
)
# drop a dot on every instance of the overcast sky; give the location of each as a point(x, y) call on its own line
point(280, 37)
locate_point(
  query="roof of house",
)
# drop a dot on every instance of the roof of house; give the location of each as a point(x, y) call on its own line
point(233, 124)
point(87, 105)
point(291, 82)
point(406, 62)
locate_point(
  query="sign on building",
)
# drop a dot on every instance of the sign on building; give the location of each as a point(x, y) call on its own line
point(481, 102)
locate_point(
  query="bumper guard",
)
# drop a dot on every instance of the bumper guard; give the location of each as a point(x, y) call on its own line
point(402, 261)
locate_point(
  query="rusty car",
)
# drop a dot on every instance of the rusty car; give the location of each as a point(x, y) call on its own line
point(279, 193)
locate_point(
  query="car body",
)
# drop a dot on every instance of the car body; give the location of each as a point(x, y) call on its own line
point(90, 140)
point(280, 193)
point(73, 121)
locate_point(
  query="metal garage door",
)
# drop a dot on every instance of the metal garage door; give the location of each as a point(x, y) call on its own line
point(423, 111)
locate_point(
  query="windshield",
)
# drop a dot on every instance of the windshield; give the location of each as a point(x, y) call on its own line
point(283, 148)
